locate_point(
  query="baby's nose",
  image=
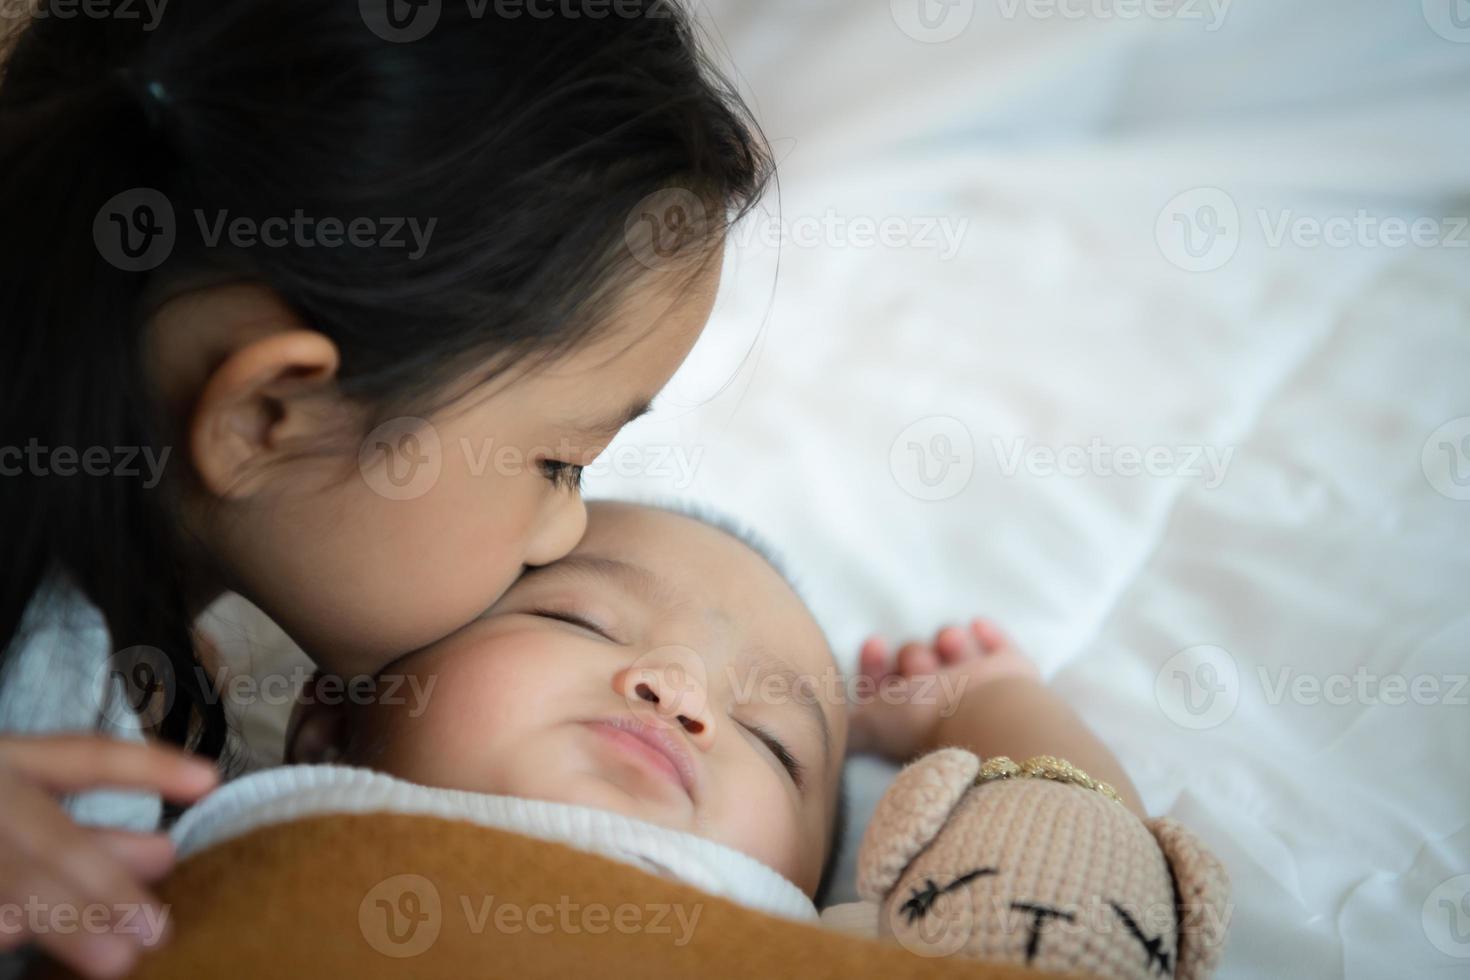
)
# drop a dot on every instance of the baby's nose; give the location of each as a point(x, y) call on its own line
point(670, 684)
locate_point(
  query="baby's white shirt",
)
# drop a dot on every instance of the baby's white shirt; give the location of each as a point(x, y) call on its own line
point(287, 793)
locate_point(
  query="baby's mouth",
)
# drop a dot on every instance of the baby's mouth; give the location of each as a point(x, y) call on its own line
point(655, 750)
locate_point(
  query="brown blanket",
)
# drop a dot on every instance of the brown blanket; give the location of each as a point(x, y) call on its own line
point(386, 895)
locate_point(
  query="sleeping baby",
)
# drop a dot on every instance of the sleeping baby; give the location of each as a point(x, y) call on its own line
point(661, 696)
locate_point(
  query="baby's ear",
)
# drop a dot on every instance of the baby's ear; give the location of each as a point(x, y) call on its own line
point(910, 815)
point(1202, 887)
point(318, 729)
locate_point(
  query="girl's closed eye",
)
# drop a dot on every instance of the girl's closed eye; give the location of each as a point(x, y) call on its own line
point(563, 475)
point(778, 749)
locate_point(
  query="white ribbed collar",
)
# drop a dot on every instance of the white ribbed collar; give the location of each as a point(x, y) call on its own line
point(288, 793)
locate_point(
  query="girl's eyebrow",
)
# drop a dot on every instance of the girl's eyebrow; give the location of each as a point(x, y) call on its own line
point(613, 421)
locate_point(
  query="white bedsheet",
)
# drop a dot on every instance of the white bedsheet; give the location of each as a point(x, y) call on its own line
point(1328, 541)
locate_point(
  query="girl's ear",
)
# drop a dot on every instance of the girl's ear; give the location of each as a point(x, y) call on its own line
point(911, 814)
point(255, 402)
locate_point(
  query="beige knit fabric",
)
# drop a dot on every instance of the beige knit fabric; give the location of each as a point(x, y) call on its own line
point(1047, 874)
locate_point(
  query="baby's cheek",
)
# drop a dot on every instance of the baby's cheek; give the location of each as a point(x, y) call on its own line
point(450, 712)
point(761, 817)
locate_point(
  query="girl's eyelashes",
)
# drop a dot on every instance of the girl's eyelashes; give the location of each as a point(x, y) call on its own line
point(778, 749)
point(573, 619)
point(563, 475)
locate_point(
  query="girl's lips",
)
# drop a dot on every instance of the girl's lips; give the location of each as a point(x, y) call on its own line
point(658, 749)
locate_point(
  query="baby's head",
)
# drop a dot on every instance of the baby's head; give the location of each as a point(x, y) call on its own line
point(664, 670)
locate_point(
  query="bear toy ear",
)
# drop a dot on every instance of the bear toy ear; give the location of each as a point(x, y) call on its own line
point(1202, 889)
point(910, 815)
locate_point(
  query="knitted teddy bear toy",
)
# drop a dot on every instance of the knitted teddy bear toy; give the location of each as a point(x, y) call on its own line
point(1038, 864)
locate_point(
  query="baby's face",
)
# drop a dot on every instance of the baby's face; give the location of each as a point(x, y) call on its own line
point(663, 670)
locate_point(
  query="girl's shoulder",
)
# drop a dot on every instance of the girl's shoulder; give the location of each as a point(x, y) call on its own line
point(58, 677)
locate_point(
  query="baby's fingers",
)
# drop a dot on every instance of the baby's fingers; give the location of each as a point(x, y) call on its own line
point(72, 763)
point(873, 658)
point(917, 658)
point(952, 645)
point(991, 636)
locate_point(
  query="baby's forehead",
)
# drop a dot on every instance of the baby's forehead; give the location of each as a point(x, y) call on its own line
point(683, 542)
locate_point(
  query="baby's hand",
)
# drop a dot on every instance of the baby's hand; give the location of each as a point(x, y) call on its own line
point(906, 697)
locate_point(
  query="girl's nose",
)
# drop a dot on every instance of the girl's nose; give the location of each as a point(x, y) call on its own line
point(670, 684)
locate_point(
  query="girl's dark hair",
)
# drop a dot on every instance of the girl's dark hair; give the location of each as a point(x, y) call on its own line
point(527, 132)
